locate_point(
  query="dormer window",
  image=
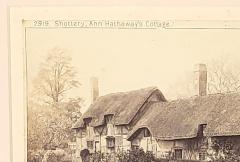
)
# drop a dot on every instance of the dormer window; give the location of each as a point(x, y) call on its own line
point(89, 129)
point(109, 122)
point(108, 118)
point(201, 129)
point(87, 121)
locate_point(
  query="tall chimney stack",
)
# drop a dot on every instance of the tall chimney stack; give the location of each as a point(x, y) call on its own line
point(200, 73)
point(94, 88)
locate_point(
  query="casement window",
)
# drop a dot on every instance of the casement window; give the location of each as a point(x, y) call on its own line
point(110, 142)
point(90, 144)
point(81, 133)
point(135, 147)
point(178, 153)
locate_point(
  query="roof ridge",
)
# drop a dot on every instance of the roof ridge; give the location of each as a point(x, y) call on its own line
point(123, 92)
point(208, 95)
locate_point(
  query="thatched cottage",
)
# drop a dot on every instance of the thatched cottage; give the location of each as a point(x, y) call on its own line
point(183, 129)
point(108, 121)
point(186, 128)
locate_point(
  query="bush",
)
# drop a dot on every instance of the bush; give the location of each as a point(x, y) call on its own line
point(137, 155)
point(103, 157)
point(224, 150)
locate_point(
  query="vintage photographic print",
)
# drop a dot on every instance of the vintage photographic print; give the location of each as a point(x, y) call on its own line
point(132, 90)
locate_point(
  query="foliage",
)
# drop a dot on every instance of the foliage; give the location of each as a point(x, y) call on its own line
point(54, 156)
point(224, 150)
point(51, 112)
point(103, 157)
point(136, 155)
point(35, 156)
point(51, 127)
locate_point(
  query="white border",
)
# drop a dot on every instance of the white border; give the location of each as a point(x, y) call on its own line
point(18, 75)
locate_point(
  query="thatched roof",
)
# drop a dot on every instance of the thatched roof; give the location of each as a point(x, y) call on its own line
point(123, 105)
point(181, 118)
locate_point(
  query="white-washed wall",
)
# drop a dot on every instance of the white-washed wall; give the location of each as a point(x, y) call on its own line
point(165, 149)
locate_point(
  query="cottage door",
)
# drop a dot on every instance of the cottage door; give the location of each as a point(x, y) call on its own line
point(85, 155)
point(178, 153)
point(97, 146)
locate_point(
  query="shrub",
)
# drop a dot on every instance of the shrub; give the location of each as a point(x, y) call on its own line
point(224, 150)
point(103, 157)
point(137, 155)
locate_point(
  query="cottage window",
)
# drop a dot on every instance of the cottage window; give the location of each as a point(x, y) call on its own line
point(178, 153)
point(108, 118)
point(90, 144)
point(81, 133)
point(110, 142)
point(135, 147)
point(97, 146)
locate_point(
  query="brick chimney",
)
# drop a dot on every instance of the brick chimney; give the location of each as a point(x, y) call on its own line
point(200, 73)
point(94, 88)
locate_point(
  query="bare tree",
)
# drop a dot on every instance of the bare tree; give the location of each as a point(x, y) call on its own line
point(56, 77)
point(223, 76)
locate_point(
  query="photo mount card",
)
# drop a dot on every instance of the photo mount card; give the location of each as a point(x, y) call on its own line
point(79, 74)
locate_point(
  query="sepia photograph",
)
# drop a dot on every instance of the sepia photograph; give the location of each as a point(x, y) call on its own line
point(131, 90)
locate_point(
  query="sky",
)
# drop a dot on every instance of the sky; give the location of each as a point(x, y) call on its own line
point(126, 60)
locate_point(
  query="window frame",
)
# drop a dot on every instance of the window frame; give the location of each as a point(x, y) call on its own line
point(91, 146)
point(112, 144)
